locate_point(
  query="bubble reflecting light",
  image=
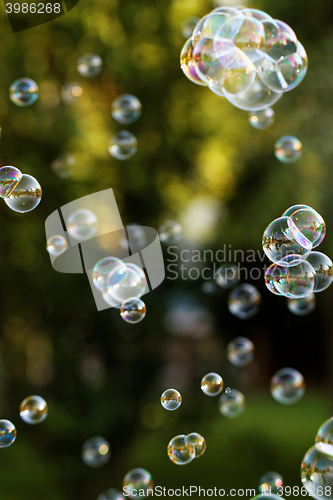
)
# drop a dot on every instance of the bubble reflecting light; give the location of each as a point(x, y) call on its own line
point(56, 245)
point(71, 92)
point(126, 109)
point(9, 178)
point(133, 310)
point(287, 386)
point(7, 433)
point(33, 410)
point(263, 119)
point(288, 149)
point(232, 404)
point(26, 195)
point(96, 452)
point(303, 306)
point(212, 384)
point(240, 351)
point(89, 65)
point(244, 301)
point(24, 92)
point(171, 399)
point(82, 224)
point(138, 484)
point(123, 145)
point(178, 452)
point(170, 232)
point(270, 482)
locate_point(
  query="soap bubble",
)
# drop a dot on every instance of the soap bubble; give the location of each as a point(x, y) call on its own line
point(256, 98)
point(178, 452)
point(63, 166)
point(307, 227)
point(33, 410)
point(288, 149)
point(244, 301)
point(294, 209)
point(139, 480)
point(232, 405)
point(170, 232)
point(71, 92)
point(104, 267)
point(171, 399)
point(287, 386)
point(323, 267)
point(26, 195)
point(212, 384)
point(89, 65)
point(196, 441)
point(270, 482)
point(7, 433)
point(245, 32)
point(227, 390)
point(208, 67)
point(297, 282)
point(279, 40)
point(56, 245)
point(9, 178)
point(133, 310)
point(111, 494)
point(262, 119)
point(257, 14)
point(82, 224)
point(240, 351)
point(274, 273)
point(96, 452)
point(209, 25)
point(227, 276)
point(187, 63)
point(126, 109)
point(317, 474)
point(121, 288)
point(123, 145)
point(303, 306)
point(188, 26)
point(324, 438)
point(24, 92)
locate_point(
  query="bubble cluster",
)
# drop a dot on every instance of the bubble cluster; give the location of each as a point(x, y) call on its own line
point(270, 482)
point(133, 310)
point(262, 119)
point(183, 449)
point(232, 403)
point(288, 242)
point(139, 480)
point(126, 109)
point(70, 92)
point(303, 306)
point(240, 351)
point(7, 433)
point(288, 149)
point(212, 384)
point(96, 452)
point(33, 410)
point(24, 92)
point(21, 192)
point(244, 55)
point(89, 65)
point(244, 301)
point(56, 245)
point(227, 276)
point(123, 145)
point(170, 232)
point(287, 386)
point(171, 399)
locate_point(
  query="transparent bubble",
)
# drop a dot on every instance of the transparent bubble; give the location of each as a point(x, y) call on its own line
point(307, 227)
point(209, 25)
point(317, 474)
point(26, 195)
point(82, 224)
point(232, 405)
point(63, 166)
point(71, 92)
point(24, 92)
point(270, 482)
point(303, 306)
point(297, 282)
point(126, 109)
point(280, 246)
point(188, 26)
point(294, 209)
point(262, 119)
point(212, 384)
point(227, 390)
point(257, 14)
point(132, 285)
point(238, 72)
point(196, 441)
point(273, 273)
point(180, 453)
point(171, 399)
point(123, 145)
point(244, 301)
point(139, 480)
point(56, 245)
point(227, 276)
point(279, 40)
point(256, 98)
point(324, 438)
point(96, 452)
point(133, 310)
point(111, 494)
point(287, 386)
point(104, 267)
point(246, 32)
point(240, 351)
point(208, 66)
point(9, 178)
point(187, 63)
point(33, 410)
point(288, 149)
point(323, 267)
point(170, 232)
point(7, 433)
point(89, 65)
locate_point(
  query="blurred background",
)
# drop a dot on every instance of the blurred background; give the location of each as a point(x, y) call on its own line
point(199, 162)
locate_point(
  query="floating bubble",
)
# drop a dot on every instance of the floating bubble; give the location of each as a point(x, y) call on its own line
point(111, 494)
point(307, 227)
point(139, 480)
point(240, 351)
point(187, 63)
point(196, 441)
point(123, 145)
point(171, 399)
point(238, 73)
point(270, 482)
point(178, 452)
point(7, 433)
point(297, 282)
point(89, 65)
point(317, 474)
point(212, 384)
point(26, 195)
point(96, 452)
point(257, 14)
point(256, 98)
point(33, 410)
point(209, 68)
point(82, 224)
point(209, 25)
point(227, 276)
point(324, 438)
point(133, 310)
point(274, 273)
point(24, 92)
point(170, 232)
point(279, 40)
point(104, 267)
point(262, 119)
point(71, 92)
point(288, 149)
point(132, 285)
point(303, 306)
point(287, 386)
point(9, 179)
point(232, 404)
point(188, 26)
point(56, 245)
point(227, 390)
point(63, 166)
point(323, 267)
point(126, 109)
point(244, 301)
point(245, 32)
